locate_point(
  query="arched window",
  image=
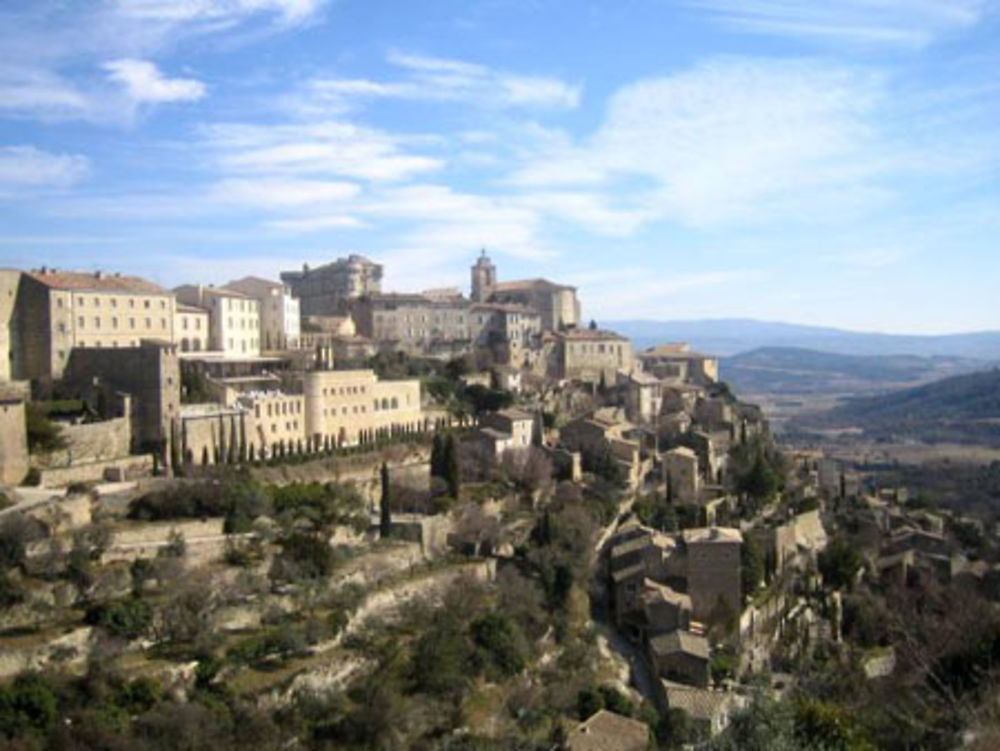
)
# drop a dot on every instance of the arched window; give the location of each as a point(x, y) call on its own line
point(395, 403)
point(385, 403)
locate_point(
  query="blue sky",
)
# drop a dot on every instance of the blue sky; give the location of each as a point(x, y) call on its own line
point(833, 163)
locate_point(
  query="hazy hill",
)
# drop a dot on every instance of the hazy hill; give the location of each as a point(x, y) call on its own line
point(728, 336)
point(793, 370)
point(963, 409)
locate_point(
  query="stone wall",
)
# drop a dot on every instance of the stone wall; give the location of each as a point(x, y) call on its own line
point(114, 470)
point(94, 442)
point(13, 439)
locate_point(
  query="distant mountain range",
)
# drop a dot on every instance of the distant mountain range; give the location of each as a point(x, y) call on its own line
point(786, 371)
point(729, 336)
point(961, 409)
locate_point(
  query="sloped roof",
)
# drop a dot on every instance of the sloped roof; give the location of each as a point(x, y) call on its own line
point(590, 335)
point(712, 534)
point(518, 285)
point(679, 641)
point(699, 703)
point(96, 282)
point(609, 731)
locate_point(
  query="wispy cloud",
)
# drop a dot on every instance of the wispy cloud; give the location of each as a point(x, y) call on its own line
point(144, 82)
point(911, 23)
point(444, 80)
point(24, 167)
point(733, 140)
point(334, 148)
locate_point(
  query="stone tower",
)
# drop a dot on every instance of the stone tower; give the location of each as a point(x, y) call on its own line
point(484, 278)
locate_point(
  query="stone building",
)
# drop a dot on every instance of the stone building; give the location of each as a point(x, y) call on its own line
point(415, 323)
point(234, 318)
point(342, 406)
point(272, 418)
point(191, 327)
point(680, 472)
point(680, 364)
point(280, 320)
point(681, 656)
point(327, 289)
point(603, 431)
point(507, 429)
point(643, 395)
point(13, 435)
point(484, 278)
point(713, 570)
point(608, 731)
point(556, 304)
point(589, 355)
point(59, 311)
point(10, 283)
point(149, 374)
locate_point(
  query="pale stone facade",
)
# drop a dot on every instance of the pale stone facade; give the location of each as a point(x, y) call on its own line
point(191, 327)
point(280, 319)
point(414, 323)
point(13, 436)
point(556, 304)
point(327, 289)
point(589, 355)
point(344, 405)
point(680, 471)
point(10, 282)
point(59, 311)
point(273, 418)
point(713, 570)
point(643, 395)
point(234, 318)
point(149, 374)
point(679, 363)
point(507, 429)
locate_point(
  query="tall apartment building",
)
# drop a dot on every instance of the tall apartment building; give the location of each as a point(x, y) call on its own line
point(234, 318)
point(280, 315)
point(327, 289)
point(59, 311)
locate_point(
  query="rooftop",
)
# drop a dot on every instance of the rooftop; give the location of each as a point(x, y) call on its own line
point(588, 335)
point(97, 281)
point(712, 534)
point(528, 284)
point(680, 642)
point(609, 731)
point(699, 703)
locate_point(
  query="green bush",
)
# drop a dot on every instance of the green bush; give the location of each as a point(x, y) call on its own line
point(127, 619)
point(501, 640)
point(28, 704)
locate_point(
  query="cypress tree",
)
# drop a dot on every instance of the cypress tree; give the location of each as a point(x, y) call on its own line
point(233, 455)
point(385, 510)
point(204, 456)
point(243, 441)
point(175, 455)
point(452, 471)
point(437, 455)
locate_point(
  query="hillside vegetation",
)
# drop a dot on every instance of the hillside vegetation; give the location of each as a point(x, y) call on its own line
point(962, 409)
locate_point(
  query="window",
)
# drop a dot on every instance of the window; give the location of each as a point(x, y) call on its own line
point(184, 324)
point(114, 302)
point(147, 304)
point(131, 303)
point(97, 301)
point(59, 302)
point(131, 323)
point(114, 322)
point(149, 323)
point(163, 323)
point(80, 322)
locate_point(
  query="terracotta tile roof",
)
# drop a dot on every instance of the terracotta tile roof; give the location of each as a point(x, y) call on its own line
point(96, 282)
point(609, 731)
point(590, 335)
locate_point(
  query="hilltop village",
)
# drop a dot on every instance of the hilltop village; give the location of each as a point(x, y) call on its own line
point(307, 512)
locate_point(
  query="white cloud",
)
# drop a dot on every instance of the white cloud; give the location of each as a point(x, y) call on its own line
point(316, 148)
point(733, 140)
point(316, 224)
point(912, 23)
point(277, 193)
point(144, 82)
point(227, 11)
point(437, 79)
point(27, 167)
point(37, 92)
